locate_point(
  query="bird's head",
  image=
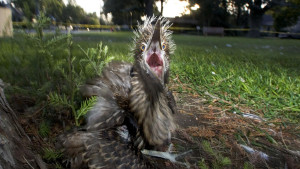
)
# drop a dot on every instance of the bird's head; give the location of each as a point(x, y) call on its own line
point(152, 48)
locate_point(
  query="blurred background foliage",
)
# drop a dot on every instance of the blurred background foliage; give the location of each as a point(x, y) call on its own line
point(221, 13)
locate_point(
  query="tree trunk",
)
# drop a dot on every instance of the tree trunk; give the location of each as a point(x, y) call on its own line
point(149, 7)
point(256, 15)
point(255, 23)
point(238, 15)
point(161, 7)
point(15, 145)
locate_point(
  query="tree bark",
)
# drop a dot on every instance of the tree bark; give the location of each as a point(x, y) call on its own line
point(256, 15)
point(238, 14)
point(15, 145)
point(255, 24)
point(161, 7)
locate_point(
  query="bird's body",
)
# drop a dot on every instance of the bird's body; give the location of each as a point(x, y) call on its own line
point(134, 107)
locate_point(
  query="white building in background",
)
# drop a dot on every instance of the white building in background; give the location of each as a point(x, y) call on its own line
point(6, 28)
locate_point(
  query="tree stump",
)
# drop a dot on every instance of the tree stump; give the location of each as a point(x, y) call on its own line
point(15, 145)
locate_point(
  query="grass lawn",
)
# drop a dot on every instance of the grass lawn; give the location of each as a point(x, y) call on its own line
point(263, 74)
point(260, 73)
point(232, 74)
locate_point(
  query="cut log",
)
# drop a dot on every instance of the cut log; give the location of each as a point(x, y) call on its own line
point(15, 145)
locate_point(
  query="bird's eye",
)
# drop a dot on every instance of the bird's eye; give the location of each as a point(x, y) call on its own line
point(143, 47)
point(163, 46)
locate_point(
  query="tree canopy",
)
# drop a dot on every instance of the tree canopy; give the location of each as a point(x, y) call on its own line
point(57, 10)
point(211, 13)
point(246, 13)
point(129, 11)
point(124, 11)
point(286, 15)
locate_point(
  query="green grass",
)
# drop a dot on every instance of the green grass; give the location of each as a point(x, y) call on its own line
point(262, 74)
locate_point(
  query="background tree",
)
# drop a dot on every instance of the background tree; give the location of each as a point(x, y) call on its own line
point(239, 13)
point(224, 13)
point(73, 14)
point(57, 10)
point(91, 19)
point(53, 9)
point(257, 9)
point(125, 11)
point(129, 11)
point(256, 14)
point(28, 7)
point(216, 13)
point(161, 7)
point(149, 7)
point(211, 13)
point(286, 15)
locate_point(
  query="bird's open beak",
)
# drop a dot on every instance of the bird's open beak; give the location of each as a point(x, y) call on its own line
point(156, 34)
point(154, 53)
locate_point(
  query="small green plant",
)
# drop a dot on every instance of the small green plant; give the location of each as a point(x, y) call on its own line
point(202, 164)
point(84, 108)
point(51, 155)
point(58, 166)
point(62, 101)
point(52, 69)
point(44, 46)
point(92, 65)
point(218, 162)
point(44, 129)
point(95, 60)
point(248, 165)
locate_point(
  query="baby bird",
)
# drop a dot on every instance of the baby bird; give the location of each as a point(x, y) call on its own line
point(134, 107)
